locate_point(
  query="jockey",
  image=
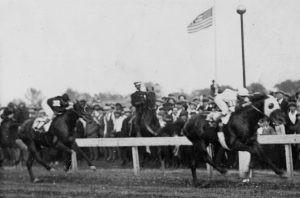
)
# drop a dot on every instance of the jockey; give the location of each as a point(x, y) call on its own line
point(58, 105)
point(227, 100)
point(138, 99)
point(9, 112)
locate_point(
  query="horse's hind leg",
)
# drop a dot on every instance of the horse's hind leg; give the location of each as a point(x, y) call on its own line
point(37, 156)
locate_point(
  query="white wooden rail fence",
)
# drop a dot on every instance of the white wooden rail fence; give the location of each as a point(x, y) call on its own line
point(134, 143)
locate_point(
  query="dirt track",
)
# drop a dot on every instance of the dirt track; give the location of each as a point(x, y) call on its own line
point(151, 183)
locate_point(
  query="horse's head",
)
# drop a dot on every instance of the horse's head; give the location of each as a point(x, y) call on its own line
point(269, 106)
point(272, 109)
point(83, 110)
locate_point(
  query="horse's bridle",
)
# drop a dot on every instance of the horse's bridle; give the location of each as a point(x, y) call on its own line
point(256, 109)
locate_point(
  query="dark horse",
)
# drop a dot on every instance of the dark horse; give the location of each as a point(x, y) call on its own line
point(60, 136)
point(240, 132)
point(149, 127)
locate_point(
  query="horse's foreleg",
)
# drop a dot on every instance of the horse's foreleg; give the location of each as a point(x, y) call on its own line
point(77, 149)
point(201, 147)
point(257, 150)
point(193, 167)
point(29, 163)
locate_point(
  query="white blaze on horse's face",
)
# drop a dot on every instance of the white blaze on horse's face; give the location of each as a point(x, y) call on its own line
point(270, 105)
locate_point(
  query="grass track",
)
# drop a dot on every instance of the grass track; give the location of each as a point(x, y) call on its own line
point(121, 183)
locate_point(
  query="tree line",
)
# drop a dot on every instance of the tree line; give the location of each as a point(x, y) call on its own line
point(35, 97)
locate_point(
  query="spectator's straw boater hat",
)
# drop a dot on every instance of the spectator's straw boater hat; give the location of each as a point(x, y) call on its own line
point(292, 103)
point(280, 91)
point(97, 107)
point(127, 110)
point(117, 112)
point(181, 102)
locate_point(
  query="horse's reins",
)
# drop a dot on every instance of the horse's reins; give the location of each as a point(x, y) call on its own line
point(256, 109)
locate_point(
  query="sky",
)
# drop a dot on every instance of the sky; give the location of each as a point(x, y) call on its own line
point(105, 45)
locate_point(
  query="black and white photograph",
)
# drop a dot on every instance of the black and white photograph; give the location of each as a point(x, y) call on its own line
point(149, 98)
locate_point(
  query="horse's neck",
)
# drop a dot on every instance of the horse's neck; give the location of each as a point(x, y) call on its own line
point(70, 117)
point(253, 116)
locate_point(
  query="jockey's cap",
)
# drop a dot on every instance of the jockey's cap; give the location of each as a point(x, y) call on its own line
point(65, 97)
point(243, 92)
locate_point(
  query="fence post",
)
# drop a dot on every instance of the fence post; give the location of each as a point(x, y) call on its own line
point(289, 160)
point(244, 162)
point(209, 167)
point(135, 160)
point(74, 166)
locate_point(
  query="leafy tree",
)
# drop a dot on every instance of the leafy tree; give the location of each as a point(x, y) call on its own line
point(35, 97)
point(256, 87)
point(289, 86)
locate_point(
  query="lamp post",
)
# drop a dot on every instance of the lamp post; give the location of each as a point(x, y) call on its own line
point(241, 10)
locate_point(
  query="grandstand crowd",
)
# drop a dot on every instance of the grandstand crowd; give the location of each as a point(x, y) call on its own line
point(113, 120)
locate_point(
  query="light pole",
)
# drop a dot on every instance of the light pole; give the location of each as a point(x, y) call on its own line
point(241, 10)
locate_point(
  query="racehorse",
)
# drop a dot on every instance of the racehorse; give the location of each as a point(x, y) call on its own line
point(240, 132)
point(60, 136)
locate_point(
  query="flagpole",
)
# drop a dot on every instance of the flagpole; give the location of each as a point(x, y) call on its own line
point(215, 41)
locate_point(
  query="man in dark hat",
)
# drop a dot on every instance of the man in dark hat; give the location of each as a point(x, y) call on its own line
point(282, 102)
point(138, 99)
point(291, 116)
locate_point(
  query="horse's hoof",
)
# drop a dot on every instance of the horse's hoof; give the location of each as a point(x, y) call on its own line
point(246, 180)
point(36, 180)
point(205, 184)
point(93, 168)
point(283, 175)
point(223, 171)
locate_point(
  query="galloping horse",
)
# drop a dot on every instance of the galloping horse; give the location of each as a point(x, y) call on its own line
point(240, 132)
point(60, 136)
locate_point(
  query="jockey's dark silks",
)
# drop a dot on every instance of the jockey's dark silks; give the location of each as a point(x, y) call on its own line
point(59, 103)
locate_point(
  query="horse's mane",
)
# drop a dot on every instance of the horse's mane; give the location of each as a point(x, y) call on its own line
point(256, 100)
point(257, 97)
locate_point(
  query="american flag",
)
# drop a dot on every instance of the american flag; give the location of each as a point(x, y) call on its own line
point(204, 20)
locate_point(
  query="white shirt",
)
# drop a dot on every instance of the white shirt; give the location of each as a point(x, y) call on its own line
point(293, 117)
point(229, 96)
point(118, 122)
